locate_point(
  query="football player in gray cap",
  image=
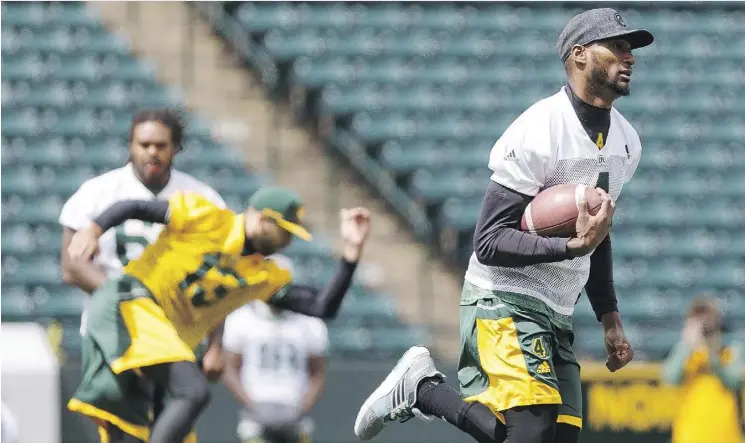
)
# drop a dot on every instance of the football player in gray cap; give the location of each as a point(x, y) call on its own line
point(519, 378)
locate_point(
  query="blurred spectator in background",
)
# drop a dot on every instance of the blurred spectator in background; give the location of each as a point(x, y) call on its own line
point(710, 369)
point(276, 368)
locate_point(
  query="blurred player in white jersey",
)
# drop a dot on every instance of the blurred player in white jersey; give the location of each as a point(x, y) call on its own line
point(276, 368)
point(155, 138)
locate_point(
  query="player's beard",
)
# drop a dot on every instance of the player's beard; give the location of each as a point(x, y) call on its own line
point(600, 80)
point(156, 180)
point(264, 246)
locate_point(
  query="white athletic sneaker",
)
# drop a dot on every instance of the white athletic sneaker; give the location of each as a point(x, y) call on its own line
point(394, 399)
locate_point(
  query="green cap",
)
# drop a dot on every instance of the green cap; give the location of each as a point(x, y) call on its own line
point(284, 207)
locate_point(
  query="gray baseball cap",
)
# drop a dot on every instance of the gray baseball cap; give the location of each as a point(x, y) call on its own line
point(599, 24)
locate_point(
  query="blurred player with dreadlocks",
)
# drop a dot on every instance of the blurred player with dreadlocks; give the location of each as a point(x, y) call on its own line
point(155, 137)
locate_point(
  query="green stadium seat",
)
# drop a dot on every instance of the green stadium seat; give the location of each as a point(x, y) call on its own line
point(51, 13)
point(312, 264)
point(32, 210)
point(22, 14)
point(460, 214)
point(583, 312)
point(18, 241)
point(65, 304)
point(400, 339)
point(408, 157)
point(439, 186)
point(303, 249)
point(377, 127)
point(198, 154)
point(383, 342)
point(76, 66)
point(21, 182)
point(94, 69)
point(345, 341)
point(30, 66)
point(376, 308)
point(263, 17)
point(106, 158)
point(658, 343)
point(23, 240)
point(16, 306)
point(27, 272)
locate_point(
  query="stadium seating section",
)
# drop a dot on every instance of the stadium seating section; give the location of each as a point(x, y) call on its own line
point(69, 89)
point(427, 89)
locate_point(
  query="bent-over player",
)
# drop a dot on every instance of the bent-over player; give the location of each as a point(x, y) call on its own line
point(155, 138)
point(276, 368)
point(144, 325)
point(518, 375)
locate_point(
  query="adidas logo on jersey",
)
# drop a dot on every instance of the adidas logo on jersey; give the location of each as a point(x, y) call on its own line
point(511, 157)
point(543, 368)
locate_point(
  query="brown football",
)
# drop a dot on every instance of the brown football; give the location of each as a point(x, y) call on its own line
point(553, 212)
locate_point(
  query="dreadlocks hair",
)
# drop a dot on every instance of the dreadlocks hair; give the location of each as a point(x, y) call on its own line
point(171, 118)
point(703, 305)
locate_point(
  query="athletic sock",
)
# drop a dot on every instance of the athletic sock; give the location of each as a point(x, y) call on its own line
point(437, 398)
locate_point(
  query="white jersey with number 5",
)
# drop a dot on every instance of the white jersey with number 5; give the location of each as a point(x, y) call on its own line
point(126, 242)
point(275, 350)
point(543, 147)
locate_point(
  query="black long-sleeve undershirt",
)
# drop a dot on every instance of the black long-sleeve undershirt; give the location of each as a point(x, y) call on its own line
point(599, 287)
point(298, 298)
point(154, 211)
point(498, 241)
point(310, 301)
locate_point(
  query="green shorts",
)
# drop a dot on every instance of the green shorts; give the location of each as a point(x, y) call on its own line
point(126, 330)
point(511, 356)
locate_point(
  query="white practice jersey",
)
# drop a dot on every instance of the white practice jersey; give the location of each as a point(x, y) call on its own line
point(275, 350)
point(127, 241)
point(543, 147)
